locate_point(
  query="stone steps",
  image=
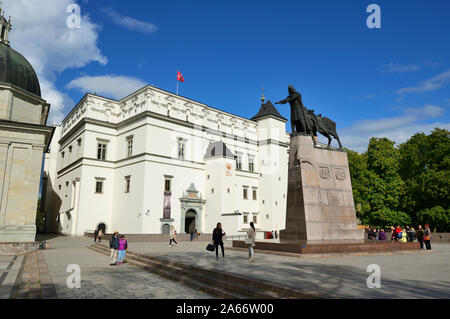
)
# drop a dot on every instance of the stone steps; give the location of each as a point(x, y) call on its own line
point(172, 274)
point(218, 283)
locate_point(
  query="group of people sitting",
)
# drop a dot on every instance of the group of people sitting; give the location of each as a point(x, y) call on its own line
point(403, 235)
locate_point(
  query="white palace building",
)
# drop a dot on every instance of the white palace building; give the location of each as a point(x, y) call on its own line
point(156, 159)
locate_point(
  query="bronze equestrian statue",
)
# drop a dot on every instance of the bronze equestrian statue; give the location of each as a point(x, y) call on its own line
point(305, 122)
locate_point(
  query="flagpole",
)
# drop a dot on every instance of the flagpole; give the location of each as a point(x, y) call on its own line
point(177, 87)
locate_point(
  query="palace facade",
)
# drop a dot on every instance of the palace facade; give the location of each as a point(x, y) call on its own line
point(156, 159)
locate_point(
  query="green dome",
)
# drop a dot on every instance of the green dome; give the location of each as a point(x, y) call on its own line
point(17, 71)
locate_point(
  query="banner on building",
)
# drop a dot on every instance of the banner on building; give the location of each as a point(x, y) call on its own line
point(166, 207)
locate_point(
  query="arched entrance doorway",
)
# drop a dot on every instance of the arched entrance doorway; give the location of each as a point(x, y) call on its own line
point(102, 227)
point(190, 221)
point(165, 230)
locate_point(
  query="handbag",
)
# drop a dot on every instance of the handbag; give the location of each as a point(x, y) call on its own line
point(210, 247)
point(248, 241)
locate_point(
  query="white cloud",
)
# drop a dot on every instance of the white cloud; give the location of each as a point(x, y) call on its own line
point(398, 129)
point(130, 23)
point(431, 84)
point(113, 86)
point(41, 34)
point(426, 111)
point(399, 68)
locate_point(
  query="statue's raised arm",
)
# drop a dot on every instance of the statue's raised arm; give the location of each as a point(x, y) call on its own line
point(305, 122)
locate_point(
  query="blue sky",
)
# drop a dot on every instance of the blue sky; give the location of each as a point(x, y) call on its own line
point(393, 81)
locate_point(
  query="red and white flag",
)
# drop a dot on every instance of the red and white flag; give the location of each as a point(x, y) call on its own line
point(180, 77)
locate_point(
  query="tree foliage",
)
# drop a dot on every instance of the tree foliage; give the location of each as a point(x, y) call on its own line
point(403, 185)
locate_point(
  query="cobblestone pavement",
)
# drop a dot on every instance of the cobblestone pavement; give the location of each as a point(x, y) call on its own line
point(99, 280)
point(33, 280)
point(403, 275)
point(9, 270)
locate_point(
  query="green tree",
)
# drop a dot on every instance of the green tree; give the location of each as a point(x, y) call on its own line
point(386, 217)
point(385, 183)
point(424, 165)
point(437, 217)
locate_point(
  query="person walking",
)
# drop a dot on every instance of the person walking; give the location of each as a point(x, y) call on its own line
point(276, 234)
point(123, 248)
point(196, 233)
point(217, 239)
point(95, 235)
point(250, 241)
point(100, 234)
point(420, 233)
point(192, 235)
point(172, 236)
point(427, 237)
point(113, 246)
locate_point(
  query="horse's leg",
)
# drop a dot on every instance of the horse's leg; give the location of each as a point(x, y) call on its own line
point(339, 141)
point(329, 140)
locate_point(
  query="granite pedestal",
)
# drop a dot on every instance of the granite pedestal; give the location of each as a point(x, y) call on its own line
point(320, 208)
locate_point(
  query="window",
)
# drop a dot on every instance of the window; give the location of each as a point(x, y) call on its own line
point(99, 187)
point(70, 149)
point(255, 219)
point(245, 192)
point(251, 164)
point(101, 151)
point(79, 142)
point(245, 218)
point(181, 148)
point(254, 191)
point(212, 190)
point(168, 185)
point(238, 161)
point(129, 146)
point(127, 184)
point(62, 154)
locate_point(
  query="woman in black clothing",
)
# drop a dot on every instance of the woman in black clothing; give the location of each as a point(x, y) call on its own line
point(218, 233)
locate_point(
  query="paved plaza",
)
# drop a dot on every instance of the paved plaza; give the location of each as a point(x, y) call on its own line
point(403, 275)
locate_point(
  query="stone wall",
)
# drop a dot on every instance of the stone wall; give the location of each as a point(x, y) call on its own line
point(14, 249)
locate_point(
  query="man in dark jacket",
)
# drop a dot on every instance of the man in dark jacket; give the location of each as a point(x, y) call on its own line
point(419, 235)
point(114, 246)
